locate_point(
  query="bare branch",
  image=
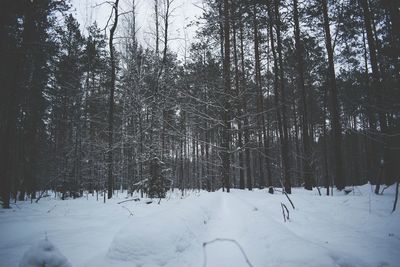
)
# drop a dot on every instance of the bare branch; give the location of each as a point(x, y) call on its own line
point(225, 240)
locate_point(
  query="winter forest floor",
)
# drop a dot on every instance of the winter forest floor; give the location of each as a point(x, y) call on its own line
point(357, 229)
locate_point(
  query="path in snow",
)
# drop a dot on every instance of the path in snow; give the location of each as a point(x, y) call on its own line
point(315, 236)
point(262, 234)
point(229, 222)
point(353, 230)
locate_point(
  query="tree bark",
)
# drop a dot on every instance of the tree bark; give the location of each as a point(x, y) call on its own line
point(276, 81)
point(376, 82)
point(334, 106)
point(227, 89)
point(9, 69)
point(239, 108)
point(246, 126)
point(260, 102)
point(110, 180)
point(307, 170)
point(282, 105)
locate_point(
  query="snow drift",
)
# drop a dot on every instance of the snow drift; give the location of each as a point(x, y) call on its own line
point(44, 253)
point(165, 238)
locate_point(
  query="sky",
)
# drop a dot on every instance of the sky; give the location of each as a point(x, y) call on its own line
point(184, 11)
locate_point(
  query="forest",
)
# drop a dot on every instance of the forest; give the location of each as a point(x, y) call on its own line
point(254, 133)
point(268, 93)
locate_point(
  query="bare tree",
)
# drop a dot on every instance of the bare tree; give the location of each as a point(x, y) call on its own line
point(334, 106)
point(308, 176)
point(110, 180)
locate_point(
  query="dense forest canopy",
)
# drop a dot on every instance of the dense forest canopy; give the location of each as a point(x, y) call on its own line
point(274, 92)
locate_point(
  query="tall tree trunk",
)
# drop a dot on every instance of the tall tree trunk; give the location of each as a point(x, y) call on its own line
point(298, 159)
point(276, 80)
point(308, 175)
point(394, 15)
point(239, 108)
point(246, 126)
point(266, 151)
point(376, 82)
point(334, 105)
point(260, 102)
point(325, 148)
point(369, 141)
point(266, 133)
point(110, 180)
point(227, 91)
point(282, 104)
point(9, 69)
point(194, 167)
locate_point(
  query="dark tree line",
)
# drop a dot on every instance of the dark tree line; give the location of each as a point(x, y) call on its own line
point(269, 93)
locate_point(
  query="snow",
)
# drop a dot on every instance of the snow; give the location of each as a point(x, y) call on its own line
point(44, 253)
point(357, 229)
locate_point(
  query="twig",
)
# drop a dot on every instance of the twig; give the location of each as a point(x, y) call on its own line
point(40, 196)
point(133, 199)
point(347, 191)
point(48, 183)
point(51, 209)
point(397, 195)
point(386, 187)
point(319, 191)
point(283, 211)
point(289, 199)
point(369, 201)
point(100, 4)
point(225, 240)
point(130, 212)
point(284, 191)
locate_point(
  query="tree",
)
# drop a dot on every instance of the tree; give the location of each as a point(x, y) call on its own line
point(334, 106)
point(252, 102)
point(96, 90)
point(227, 107)
point(308, 178)
point(66, 106)
point(260, 98)
point(9, 46)
point(110, 180)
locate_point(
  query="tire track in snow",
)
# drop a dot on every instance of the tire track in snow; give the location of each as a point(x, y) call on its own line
point(229, 222)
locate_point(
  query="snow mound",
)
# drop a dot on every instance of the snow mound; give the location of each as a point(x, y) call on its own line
point(44, 253)
point(166, 238)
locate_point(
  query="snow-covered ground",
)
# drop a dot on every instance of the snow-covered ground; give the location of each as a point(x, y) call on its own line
point(344, 230)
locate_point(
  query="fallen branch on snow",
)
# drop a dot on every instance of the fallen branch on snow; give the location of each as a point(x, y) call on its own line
point(133, 199)
point(347, 191)
point(51, 209)
point(285, 215)
point(284, 191)
point(40, 196)
point(319, 190)
point(397, 195)
point(48, 183)
point(130, 212)
point(225, 240)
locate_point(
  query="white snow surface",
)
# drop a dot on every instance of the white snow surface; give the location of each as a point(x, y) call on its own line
point(44, 253)
point(351, 230)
